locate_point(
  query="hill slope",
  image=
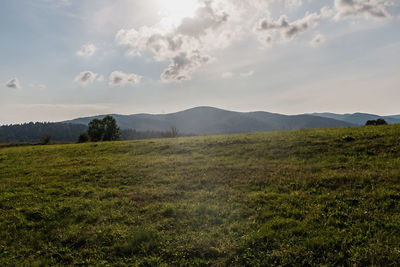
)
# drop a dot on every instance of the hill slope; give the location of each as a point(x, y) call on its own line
point(315, 197)
point(208, 120)
point(358, 118)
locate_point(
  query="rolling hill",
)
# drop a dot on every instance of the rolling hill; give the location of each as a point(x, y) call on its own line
point(209, 120)
point(358, 118)
point(319, 197)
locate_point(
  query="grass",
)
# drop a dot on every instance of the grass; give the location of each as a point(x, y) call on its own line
point(311, 197)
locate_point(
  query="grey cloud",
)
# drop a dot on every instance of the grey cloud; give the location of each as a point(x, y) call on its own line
point(85, 78)
point(186, 46)
point(368, 8)
point(14, 83)
point(268, 28)
point(217, 24)
point(182, 65)
point(318, 39)
point(87, 50)
point(118, 78)
point(206, 18)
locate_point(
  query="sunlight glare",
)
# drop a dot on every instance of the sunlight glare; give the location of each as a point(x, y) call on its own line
point(173, 11)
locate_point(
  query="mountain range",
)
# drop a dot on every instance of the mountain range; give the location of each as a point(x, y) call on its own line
point(209, 120)
point(358, 118)
point(195, 121)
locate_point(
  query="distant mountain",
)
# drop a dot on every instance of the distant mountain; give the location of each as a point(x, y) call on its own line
point(195, 121)
point(359, 118)
point(397, 117)
point(209, 120)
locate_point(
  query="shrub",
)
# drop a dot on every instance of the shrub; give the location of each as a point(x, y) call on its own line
point(173, 133)
point(376, 122)
point(83, 138)
point(46, 140)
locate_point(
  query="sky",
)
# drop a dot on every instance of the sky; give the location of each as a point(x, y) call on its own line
point(62, 59)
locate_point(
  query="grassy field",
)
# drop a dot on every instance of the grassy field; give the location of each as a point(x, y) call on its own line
point(309, 197)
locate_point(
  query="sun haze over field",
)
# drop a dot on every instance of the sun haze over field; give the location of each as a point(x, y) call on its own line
point(66, 58)
point(199, 133)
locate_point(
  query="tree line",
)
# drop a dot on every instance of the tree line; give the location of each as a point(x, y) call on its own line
point(36, 132)
point(107, 129)
point(97, 130)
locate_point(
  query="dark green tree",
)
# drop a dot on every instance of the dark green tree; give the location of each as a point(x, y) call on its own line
point(376, 122)
point(96, 130)
point(83, 138)
point(381, 122)
point(46, 140)
point(111, 129)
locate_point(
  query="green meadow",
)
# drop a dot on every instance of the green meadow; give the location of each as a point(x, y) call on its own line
point(310, 197)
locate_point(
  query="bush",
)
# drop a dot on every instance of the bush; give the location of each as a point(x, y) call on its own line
point(46, 140)
point(83, 138)
point(376, 122)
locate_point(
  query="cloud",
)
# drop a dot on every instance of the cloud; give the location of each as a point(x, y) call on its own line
point(327, 12)
point(182, 65)
point(87, 50)
point(227, 75)
point(247, 74)
point(85, 78)
point(13, 83)
point(318, 40)
point(293, 3)
point(368, 8)
point(268, 29)
point(196, 40)
point(118, 78)
point(187, 45)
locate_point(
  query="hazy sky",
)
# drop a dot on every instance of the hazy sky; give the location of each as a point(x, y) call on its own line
point(61, 59)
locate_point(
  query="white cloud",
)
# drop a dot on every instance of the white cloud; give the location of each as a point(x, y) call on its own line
point(293, 3)
point(196, 40)
point(227, 75)
point(318, 40)
point(187, 45)
point(367, 8)
point(87, 50)
point(13, 83)
point(85, 78)
point(269, 29)
point(327, 12)
point(118, 78)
